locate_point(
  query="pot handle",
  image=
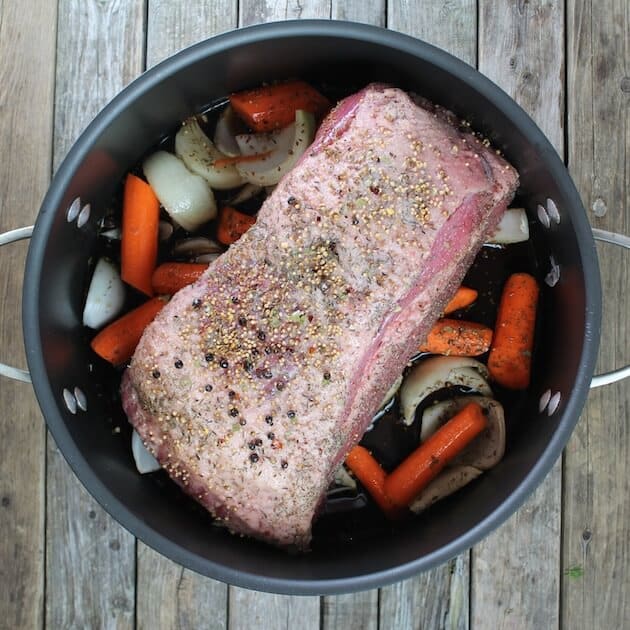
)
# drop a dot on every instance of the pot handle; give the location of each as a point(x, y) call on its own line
point(616, 375)
point(10, 237)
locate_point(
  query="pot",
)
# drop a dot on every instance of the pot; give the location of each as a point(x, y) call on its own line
point(69, 383)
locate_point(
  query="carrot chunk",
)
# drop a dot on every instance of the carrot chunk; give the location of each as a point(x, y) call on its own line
point(510, 359)
point(232, 225)
point(463, 298)
point(170, 277)
point(453, 337)
point(116, 343)
point(411, 476)
point(139, 242)
point(369, 472)
point(274, 106)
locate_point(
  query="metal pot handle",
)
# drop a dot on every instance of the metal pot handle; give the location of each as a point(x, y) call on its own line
point(598, 380)
point(616, 375)
point(10, 237)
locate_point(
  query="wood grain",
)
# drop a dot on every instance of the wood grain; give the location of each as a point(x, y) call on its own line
point(448, 24)
point(258, 11)
point(515, 578)
point(596, 525)
point(26, 85)
point(437, 598)
point(366, 11)
point(90, 559)
point(169, 596)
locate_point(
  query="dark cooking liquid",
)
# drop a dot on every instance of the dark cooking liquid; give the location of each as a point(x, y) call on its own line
point(349, 515)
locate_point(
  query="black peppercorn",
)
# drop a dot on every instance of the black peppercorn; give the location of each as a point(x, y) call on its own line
point(179, 364)
point(253, 458)
point(234, 412)
point(258, 442)
point(231, 394)
point(223, 363)
point(209, 357)
point(248, 366)
point(251, 445)
point(234, 300)
point(326, 376)
point(292, 201)
point(156, 374)
point(269, 420)
point(208, 388)
point(242, 321)
point(280, 385)
point(291, 413)
point(242, 422)
point(196, 302)
point(284, 463)
point(267, 374)
point(261, 335)
point(271, 435)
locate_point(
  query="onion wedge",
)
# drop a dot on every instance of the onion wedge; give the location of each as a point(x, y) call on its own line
point(287, 146)
point(513, 228)
point(436, 373)
point(187, 197)
point(106, 295)
point(145, 462)
point(199, 154)
point(228, 126)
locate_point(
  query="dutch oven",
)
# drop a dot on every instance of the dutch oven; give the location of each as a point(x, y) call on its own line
point(67, 379)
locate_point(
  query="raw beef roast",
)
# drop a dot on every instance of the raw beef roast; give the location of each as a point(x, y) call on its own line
point(252, 384)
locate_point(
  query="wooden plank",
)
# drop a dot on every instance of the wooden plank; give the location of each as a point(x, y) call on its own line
point(257, 11)
point(367, 11)
point(596, 525)
point(448, 25)
point(515, 577)
point(437, 598)
point(26, 105)
point(90, 559)
point(169, 596)
point(176, 25)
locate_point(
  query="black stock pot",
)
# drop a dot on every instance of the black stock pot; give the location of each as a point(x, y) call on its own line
point(69, 385)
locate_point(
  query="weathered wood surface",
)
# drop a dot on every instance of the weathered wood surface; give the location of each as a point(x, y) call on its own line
point(596, 506)
point(516, 570)
point(529, 574)
point(26, 105)
point(90, 559)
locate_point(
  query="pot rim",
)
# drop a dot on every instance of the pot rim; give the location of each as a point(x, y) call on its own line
point(49, 401)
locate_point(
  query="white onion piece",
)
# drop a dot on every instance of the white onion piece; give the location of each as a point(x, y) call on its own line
point(391, 392)
point(437, 373)
point(198, 153)
point(445, 484)
point(145, 462)
point(195, 246)
point(106, 295)
point(114, 234)
point(246, 193)
point(433, 418)
point(513, 228)
point(228, 126)
point(257, 143)
point(187, 197)
point(269, 170)
point(343, 478)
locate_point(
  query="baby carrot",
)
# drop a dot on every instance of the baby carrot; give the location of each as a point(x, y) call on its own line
point(453, 337)
point(510, 357)
point(232, 225)
point(463, 298)
point(426, 462)
point(139, 241)
point(274, 106)
point(117, 342)
point(369, 472)
point(170, 277)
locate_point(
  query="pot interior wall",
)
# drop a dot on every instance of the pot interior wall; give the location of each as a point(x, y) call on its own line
point(58, 274)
